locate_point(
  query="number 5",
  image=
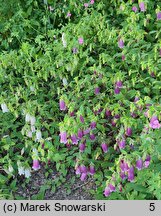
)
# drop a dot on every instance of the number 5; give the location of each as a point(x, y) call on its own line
point(152, 207)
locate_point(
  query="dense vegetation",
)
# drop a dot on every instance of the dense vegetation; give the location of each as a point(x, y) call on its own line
point(80, 85)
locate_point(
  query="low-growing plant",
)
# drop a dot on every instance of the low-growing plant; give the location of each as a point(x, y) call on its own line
point(80, 88)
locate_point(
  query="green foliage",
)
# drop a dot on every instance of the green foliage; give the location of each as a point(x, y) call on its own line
point(43, 62)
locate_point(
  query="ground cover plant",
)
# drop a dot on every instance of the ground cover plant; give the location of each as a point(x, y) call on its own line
point(80, 90)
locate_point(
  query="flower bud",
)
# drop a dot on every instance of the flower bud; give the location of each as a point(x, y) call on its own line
point(81, 119)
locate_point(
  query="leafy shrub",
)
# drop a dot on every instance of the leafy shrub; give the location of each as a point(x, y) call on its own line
point(80, 87)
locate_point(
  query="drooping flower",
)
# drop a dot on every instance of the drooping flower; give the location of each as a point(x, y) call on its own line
point(29, 134)
point(21, 170)
point(62, 105)
point(139, 164)
point(131, 174)
point(117, 116)
point(122, 144)
point(134, 115)
point(113, 122)
point(32, 120)
point(83, 176)
point(136, 99)
point(108, 113)
point(75, 50)
point(86, 131)
point(122, 175)
point(152, 74)
point(80, 40)
point(63, 137)
point(81, 118)
point(128, 131)
point(82, 147)
point(104, 147)
point(69, 14)
point(38, 136)
point(142, 6)
point(134, 8)
point(86, 5)
point(83, 169)
point(123, 57)
point(80, 134)
point(64, 41)
point(147, 161)
point(97, 91)
point(27, 173)
point(91, 170)
point(124, 166)
point(36, 164)
point(4, 108)
point(107, 192)
point(74, 139)
point(146, 113)
point(65, 83)
point(111, 187)
point(78, 170)
point(72, 114)
point(93, 125)
point(99, 110)
point(159, 15)
point(50, 8)
point(118, 84)
point(120, 188)
point(92, 2)
point(27, 117)
point(32, 89)
point(121, 43)
point(10, 169)
point(33, 129)
point(117, 90)
point(92, 137)
point(154, 123)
